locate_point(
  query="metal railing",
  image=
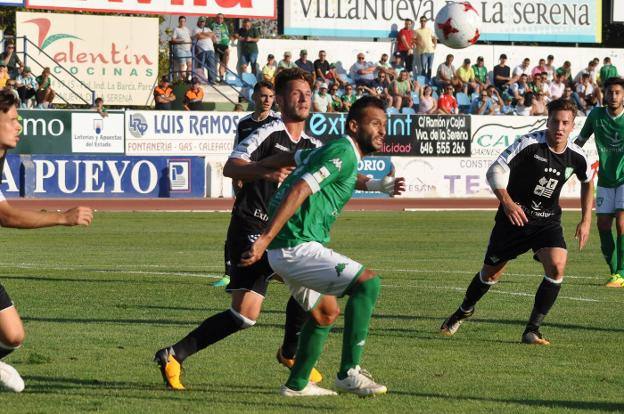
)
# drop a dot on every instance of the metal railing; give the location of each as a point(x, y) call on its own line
point(27, 43)
point(196, 64)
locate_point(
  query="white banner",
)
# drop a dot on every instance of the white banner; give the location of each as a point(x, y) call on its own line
point(230, 8)
point(117, 57)
point(181, 132)
point(577, 21)
point(11, 2)
point(93, 134)
point(618, 11)
point(465, 177)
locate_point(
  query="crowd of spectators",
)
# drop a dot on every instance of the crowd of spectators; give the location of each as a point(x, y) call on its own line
point(32, 91)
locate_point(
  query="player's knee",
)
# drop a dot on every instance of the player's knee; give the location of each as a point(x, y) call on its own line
point(327, 316)
point(13, 340)
point(244, 322)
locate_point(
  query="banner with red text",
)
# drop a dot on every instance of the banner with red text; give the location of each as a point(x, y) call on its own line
point(117, 57)
point(231, 8)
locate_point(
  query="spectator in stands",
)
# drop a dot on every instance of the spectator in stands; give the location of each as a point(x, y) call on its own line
point(238, 107)
point(589, 94)
point(362, 72)
point(163, 95)
point(466, 75)
point(45, 94)
point(268, 70)
point(539, 69)
point(322, 101)
point(333, 78)
point(26, 87)
point(524, 103)
point(397, 66)
point(194, 96)
point(384, 64)
point(401, 91)
point(221, 43)
point(249, 37)
point(570, 95)
point(348, 98)
point(537, 86)
point(99, 107)
point(522, 69)
point(205, 51)
point(361, 91)
point(4, 75)
point(495, 99)
point(538, 107)
point(427, 103)
point(182, 57)
point(481, 73)
point(447, 104)
point(520, 88)
point(426, 42)
point(502, 74)
point(445, 74)
point(507, 107)
point(381, 87)
point(591, 69)
point(566, 71)
point(336, 102)
point(550, 67)
point(10, 59)
point(321, 66)
point(557, 86)
point(481, 105)
point(607, 71)
point(304, 64)
point(12, 87)
point(285, 63)
point(405, 44)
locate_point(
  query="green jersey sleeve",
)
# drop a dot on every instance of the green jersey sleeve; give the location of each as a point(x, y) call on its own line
point(329, 163)
point(588, 128)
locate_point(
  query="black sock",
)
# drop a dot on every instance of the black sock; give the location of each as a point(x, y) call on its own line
point(295, 318)
point(210, 331)
point(474, 293)
point(5, 352)
point(544, 300)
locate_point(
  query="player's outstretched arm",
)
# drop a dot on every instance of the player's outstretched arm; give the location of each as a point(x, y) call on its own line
point(24, 219)
point(240, 169)
point(587, 202)
point(298, 193)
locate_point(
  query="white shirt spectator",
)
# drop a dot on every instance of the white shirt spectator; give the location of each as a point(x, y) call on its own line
point(581, 89)
point(519, 70)
point(353, 71)
point(322, 102)
point(182, 34)
point(556, 90)
point(204, 44)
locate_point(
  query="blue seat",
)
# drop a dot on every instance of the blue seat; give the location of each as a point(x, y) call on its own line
point(462, 99)
point(416, 98)
point(408, 111)
point(392, 111)
point(233, 80)
point(422, 80)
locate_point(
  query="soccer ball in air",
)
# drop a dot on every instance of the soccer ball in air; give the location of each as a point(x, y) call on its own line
point(457, 25)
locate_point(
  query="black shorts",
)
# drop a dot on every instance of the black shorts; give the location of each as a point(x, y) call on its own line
point(508, 241)
point(220, 50)
point(5, 300)
point(254, 278)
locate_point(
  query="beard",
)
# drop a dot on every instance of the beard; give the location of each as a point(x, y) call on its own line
point(293, 114)
point(366, 145)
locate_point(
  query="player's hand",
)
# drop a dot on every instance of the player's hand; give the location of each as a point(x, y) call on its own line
point(78, 216)
point(515, 214)
point(279, 175)
point(254, 254)
point(399, 186)
point(582, 233)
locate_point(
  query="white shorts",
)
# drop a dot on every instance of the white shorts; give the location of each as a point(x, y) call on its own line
point(311, 270)
point(609, 200)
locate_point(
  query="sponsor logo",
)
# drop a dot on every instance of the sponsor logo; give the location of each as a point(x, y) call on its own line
point(568, 172)
point(338, 163)
point(281, 147)
point(546, 186)
point(179, 175)
point(536, 206)
point(599, 201)
point(261, 215)
point(137, 125)
point(539, 158)
point(321, 174)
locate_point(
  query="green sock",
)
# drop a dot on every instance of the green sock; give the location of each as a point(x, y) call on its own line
point(311, 341)
point(620, 255)
point(357, 315)
point(607, 246)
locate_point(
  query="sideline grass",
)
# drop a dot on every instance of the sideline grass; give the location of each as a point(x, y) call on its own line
point(97, 302)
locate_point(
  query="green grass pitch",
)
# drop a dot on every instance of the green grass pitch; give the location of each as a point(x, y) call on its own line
point(98, 302)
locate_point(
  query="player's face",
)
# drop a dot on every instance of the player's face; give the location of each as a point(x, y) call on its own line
point(371, 131)
point(9, 128)
point(296, 101)
point(264, 99)
point(560, 124)
point(614, 97)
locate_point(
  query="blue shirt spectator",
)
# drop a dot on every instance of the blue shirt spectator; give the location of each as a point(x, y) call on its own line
point(481, 105)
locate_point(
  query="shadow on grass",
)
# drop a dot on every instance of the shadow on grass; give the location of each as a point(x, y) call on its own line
point(85, 279)
point(562, 404)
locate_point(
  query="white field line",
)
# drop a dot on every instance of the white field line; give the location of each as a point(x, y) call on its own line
point(206, 276)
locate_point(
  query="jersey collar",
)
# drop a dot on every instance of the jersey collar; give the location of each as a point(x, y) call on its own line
point(355, 148)
point(611, 116)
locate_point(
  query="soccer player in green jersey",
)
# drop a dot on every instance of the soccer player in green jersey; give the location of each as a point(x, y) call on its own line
point(303, 211)
point(607, 125)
